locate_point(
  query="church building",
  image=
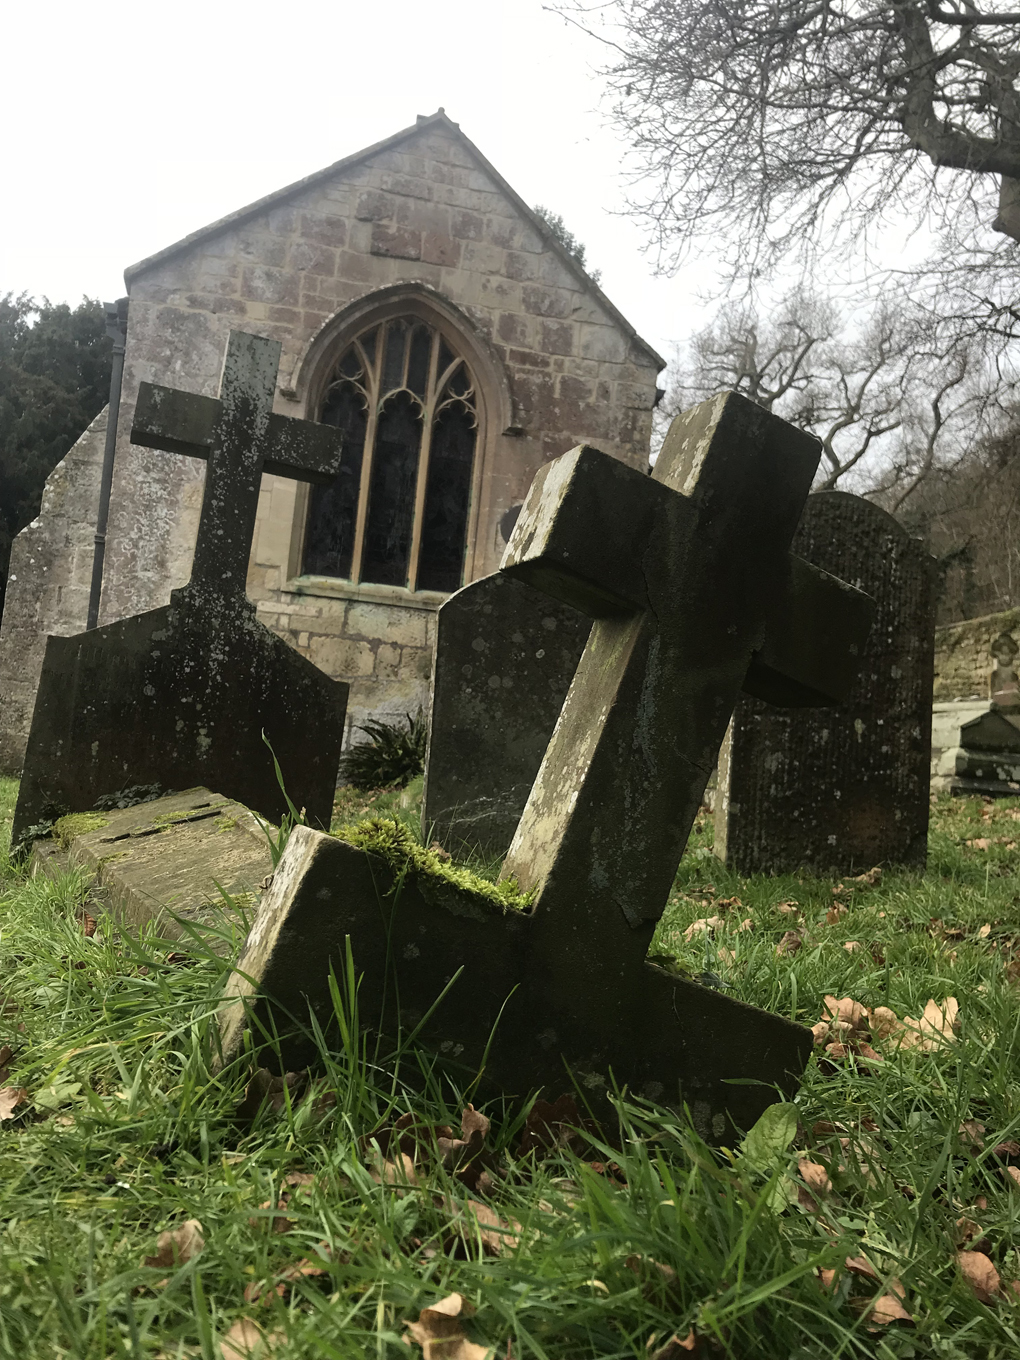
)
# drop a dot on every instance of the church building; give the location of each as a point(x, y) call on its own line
point(424, 310)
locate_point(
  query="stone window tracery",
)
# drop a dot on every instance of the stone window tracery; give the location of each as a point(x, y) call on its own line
point(397, 512)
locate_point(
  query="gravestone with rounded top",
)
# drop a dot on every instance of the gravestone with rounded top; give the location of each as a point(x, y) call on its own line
point(182, 695)
point(693, 594)
point(846, 787)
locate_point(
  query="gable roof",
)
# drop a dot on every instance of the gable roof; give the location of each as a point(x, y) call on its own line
point(438, 119)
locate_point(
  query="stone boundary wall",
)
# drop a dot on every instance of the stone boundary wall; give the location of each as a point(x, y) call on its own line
point(962, 657)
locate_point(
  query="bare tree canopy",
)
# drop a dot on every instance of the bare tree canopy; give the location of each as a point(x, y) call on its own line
point(887, 403)
point(771, 122)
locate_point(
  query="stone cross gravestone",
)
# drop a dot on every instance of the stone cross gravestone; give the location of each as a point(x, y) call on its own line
point(842, 788)
point(181, 695)
point(505, 656)
point(981, 754)
point(685, 575)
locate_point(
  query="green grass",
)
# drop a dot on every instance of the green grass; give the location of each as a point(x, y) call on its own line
point(130, 1133)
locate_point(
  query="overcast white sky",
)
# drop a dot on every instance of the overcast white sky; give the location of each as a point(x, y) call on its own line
point(129, 125)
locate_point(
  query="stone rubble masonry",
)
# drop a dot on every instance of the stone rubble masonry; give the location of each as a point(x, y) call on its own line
point(422, 216)
point(963, 659)
point(48, 586)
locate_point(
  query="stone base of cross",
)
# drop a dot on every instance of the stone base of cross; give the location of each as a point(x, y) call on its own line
point(695, 596)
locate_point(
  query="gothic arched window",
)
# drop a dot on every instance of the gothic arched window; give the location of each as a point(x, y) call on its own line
point(397, 512)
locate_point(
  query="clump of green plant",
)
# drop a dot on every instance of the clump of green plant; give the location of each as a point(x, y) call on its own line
point(392, 756)
point(394, 842)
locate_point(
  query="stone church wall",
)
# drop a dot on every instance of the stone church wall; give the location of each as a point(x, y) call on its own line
point(963, 659)
point(49, 582)
point(421, 215)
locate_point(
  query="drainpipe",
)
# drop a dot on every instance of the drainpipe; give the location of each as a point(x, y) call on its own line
point(116, 329)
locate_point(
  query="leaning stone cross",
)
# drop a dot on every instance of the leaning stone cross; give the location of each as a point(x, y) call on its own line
point(240, 437)
point(695, 595)
point(181, 695)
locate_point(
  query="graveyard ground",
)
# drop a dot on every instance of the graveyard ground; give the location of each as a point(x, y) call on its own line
point(877, 1217)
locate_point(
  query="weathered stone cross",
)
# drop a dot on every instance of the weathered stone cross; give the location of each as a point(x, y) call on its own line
point(240, 437)
point(695, 595)
point(182, 695)
point(709, 603)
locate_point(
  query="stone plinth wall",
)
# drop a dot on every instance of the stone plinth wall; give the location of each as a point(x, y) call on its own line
point(384, 652)
point(48, 589)
point(963, 660)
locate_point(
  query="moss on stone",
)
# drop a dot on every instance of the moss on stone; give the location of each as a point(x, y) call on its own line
point(75, 824)
point(224, 824)
point(394, 843)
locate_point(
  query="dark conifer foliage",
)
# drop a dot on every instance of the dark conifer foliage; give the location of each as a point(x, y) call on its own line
point(54, 380)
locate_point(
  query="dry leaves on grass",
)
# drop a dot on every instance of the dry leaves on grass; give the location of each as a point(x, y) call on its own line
point(268, 1088)
point(280, 1283)
point(551, 1125)
point(177, 1246)
point(846, 1027)
point(439, 1333)
point(6, 1057)
point(11, 1097)
point(680, 1348)
point(979, 1272)
point(399, 1150)
point(476, 1224)
point(707, 925)
point(791, 943)
point(276, 1215)
point(247, 1341)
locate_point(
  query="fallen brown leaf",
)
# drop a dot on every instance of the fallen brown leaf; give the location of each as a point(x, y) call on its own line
point(980, 1274)
point(871, 879)
point(176, 1246)
point(88, 924)
point(835, 912)
point(10, 1098)
point(6, 1054)
point(1013, 1173)
point(265, 1087)
point(790, 943)
point(814, 1176)
point(677, 1348)
point(551, 1125)
point(705, 926)
point(889, 1307)
point(980, 843)
point(477, 1222)
point(972, 1134)
point(860, 1265)
point(399, 1173)
point(853, 946)
point(826, 1278)
point(247, 1341)
point(438, 1331)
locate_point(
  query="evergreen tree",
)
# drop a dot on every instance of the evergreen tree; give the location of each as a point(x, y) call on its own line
point(54, 380)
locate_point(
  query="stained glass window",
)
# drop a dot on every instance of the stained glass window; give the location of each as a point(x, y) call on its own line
point(397, 512)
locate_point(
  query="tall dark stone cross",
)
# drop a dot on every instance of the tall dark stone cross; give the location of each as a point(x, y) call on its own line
point(695, 596)
point(180, 696)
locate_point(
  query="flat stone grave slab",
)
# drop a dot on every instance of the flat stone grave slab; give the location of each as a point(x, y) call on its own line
point(182, 695)
point(689, 580)
point(168, 859)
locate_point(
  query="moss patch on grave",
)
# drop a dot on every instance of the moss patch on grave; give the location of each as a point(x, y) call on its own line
point(75, 824)
point(394, 843)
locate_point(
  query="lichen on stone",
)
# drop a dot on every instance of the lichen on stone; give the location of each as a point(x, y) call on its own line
point(394, 843)
point(75, 824)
